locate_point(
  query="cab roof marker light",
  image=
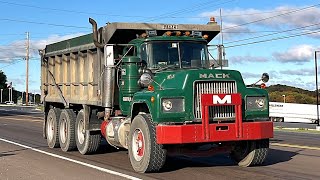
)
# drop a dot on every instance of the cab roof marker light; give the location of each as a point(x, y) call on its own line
point(144, 35)
point(197, 33)
point(212, 21)
point(168, 33)
point(151, 32)
point(187, 33)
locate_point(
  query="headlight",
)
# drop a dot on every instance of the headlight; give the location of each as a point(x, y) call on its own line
point(256, 103)
point(173, 105)
point(167, 105)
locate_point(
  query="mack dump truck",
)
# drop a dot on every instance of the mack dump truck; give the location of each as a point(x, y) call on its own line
point(151, 89)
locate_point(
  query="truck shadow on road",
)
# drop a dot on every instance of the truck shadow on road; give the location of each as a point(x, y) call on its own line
point(6, 154)
point(275, 156)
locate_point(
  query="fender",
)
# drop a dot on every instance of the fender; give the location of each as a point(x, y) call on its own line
point(144, 100)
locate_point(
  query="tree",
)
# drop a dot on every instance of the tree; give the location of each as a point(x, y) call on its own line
point(3, 85)
point(292, 94)
point(3, 80)
point(5, 93)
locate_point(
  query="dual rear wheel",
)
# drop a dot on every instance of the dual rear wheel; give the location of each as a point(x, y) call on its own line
point(65, 129)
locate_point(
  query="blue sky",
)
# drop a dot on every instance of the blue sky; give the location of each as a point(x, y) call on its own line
point(289, 61)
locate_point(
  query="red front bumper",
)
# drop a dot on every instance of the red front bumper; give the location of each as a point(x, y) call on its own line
point(205, 132)
point(181, 134)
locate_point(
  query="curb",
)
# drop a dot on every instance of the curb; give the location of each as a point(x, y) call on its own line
point(302, 130)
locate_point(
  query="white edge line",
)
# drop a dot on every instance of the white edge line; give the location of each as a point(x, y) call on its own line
point(72, 160)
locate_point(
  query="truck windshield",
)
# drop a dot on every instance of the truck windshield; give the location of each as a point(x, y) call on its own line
point(164, 55)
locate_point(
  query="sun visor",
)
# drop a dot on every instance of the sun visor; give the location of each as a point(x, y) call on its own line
point(120, 33)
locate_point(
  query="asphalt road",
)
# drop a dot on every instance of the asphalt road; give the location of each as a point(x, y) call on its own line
point(24, 155)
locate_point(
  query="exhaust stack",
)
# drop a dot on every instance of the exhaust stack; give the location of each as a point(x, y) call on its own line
point(95, 34)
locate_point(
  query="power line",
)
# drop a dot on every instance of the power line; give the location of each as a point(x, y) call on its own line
point(14, 58)
point(190, 9)
point(129, 16)
point(271, 34)
point(278, 15)
point(181, 10)
point(11, 34)
point(42, 23)
point(59, 10)
point(15, 62)
point(273, 39)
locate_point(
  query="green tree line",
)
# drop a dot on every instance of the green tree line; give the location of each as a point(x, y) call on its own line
point(16, 95)
point(292, 94)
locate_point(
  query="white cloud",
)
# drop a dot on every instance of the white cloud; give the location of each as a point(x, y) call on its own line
point(299, 72)
point(240, 16)
point(247, 59)
point(299, 54)
point(247, 75)
point(17, 49)
point(296, 19)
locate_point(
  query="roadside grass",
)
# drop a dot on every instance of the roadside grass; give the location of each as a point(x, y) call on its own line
point(40, 108)
point(299, 130)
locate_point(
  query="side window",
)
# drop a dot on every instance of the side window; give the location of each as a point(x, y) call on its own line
point(143, 54)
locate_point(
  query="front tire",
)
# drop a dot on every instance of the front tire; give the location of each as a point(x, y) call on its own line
point(144, 152)
point(51, 127)
point(87, 143)
point(250, 153)
point(66, 130)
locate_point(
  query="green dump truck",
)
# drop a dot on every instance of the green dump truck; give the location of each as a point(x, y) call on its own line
point(151, 89)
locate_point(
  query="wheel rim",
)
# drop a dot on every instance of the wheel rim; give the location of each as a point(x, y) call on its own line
point(63, 131)
point(80, 131)
point(50, 128)
point(138, 145)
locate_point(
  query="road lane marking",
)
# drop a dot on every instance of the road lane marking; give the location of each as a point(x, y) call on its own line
point(17, 119)
point(22, 116)
point(72, 160)
point(295, 146)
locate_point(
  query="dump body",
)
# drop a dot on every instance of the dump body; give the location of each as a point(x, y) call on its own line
point(76, 71)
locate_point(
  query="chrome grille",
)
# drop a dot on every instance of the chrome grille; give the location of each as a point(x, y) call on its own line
point(214, 87)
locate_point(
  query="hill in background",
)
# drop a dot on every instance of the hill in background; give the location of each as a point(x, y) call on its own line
point(292, 94)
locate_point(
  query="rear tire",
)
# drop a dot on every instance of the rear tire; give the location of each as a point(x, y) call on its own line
point(66, 130)
point(144, 152)
point(87, 142)
point(250, 153)
point(51, 127)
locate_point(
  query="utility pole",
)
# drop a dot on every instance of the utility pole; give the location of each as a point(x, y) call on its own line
point(220, 55)
point(317, 88)
point(27, 71)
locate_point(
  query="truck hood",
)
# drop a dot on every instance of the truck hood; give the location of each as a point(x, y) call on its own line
point(183, 79)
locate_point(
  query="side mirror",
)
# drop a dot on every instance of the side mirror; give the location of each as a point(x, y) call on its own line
point(109, 55)
point(265, 77)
